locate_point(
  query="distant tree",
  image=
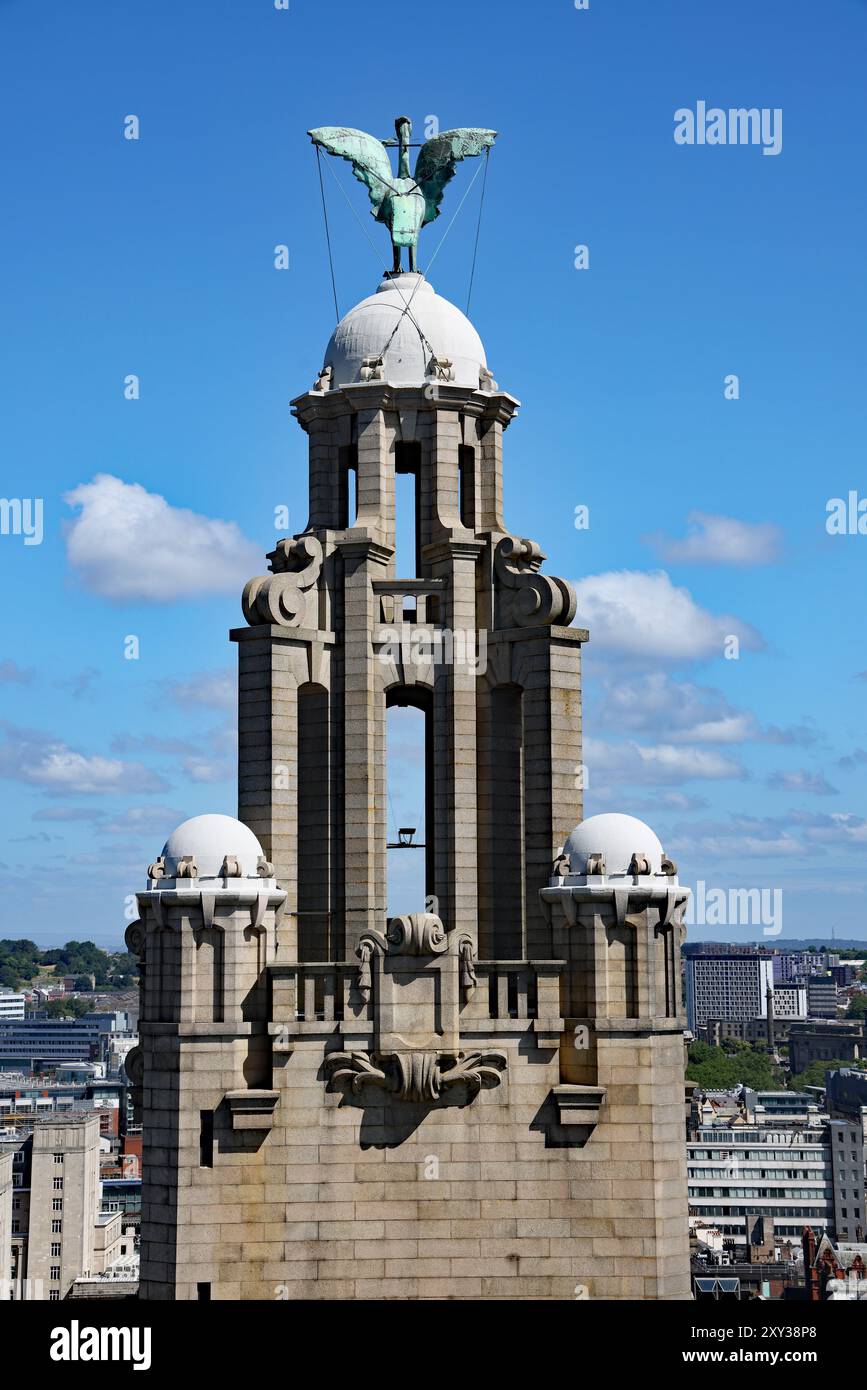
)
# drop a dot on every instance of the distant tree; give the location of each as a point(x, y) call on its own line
point(19, 962)
point(718, 1069)
point(80, 958)
point(67, 1008)
point(814, 1074)
point(123, 970)
point(857, 1006)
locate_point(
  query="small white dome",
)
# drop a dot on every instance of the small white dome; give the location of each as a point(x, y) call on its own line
point(429, 327)
point(617, 838)
point(207, 840)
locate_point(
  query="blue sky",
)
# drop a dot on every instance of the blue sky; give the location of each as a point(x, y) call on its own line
point(155, 257)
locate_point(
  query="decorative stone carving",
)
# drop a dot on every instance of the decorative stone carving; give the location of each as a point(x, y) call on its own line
point(416, 954)
point(187, 868)
point(526, 598)
point(133, 1065)
point(417, 1076)
point(668, 867)
point(486, 380)
point(157, 869)
point(289, 595)
point(595, 864)
point(264, 867)
point(135, 939)
point(639, 865)
point(230, 867)
point(323, 380)
point(441, 369)
point(467, 953)
point(419, 934)
point(372, 369)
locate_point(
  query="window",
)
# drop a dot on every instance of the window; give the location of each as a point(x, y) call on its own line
point(53, 1295)
point(203, 1293)
point(55, 1247)
point(58, 1184)
point(206, 1139)
point(58, 1158)
point(56, 1227)
point(54, 1272)
point(57, 1204)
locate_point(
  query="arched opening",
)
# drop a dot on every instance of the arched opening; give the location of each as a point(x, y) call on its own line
point(407, 518)
point(409, 781)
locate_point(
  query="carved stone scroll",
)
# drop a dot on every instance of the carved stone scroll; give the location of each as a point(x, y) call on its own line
point(288, 596)
point(526, 598)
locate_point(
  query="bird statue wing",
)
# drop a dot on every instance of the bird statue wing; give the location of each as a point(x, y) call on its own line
point(438, 159)
point(367, 155)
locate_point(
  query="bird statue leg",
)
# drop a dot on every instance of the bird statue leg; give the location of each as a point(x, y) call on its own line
point(412, 264)
point(396, 266)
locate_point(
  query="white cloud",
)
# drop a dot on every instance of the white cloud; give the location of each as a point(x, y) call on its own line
point(814, 783)
point(720, 540)
point(634, 764)
point(212, 689)
point(152, 822)
point(836, 829)
point(683, 712)
point(638, 614)
point(128, 544)
point(42, 761)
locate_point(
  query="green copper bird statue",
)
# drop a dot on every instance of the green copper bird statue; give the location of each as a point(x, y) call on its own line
point(405, 203)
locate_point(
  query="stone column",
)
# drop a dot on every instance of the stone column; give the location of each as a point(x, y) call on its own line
point(364, 745)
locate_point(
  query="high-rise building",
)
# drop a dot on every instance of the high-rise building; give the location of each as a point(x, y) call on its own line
point(5, 1224)
point(846, 1093)
point(727, 987)
point(479, 1099)
point(29, 1044)
point(57, 1230)
point(821, 997)
point(11, 1005)
point(737, 1172)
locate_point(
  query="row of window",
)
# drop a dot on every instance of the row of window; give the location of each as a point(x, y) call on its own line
point(777, 1174)
point(792, 1194)
point(807, 1214)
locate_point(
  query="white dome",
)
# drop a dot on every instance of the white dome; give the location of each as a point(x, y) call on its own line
point(207, 840)
point(429, 327)
point(617, 838)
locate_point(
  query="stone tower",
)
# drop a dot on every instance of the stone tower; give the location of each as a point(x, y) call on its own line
point(482, 1099)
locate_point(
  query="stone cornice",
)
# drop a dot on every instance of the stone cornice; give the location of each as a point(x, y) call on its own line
point(291, 636)
point(381, 395)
